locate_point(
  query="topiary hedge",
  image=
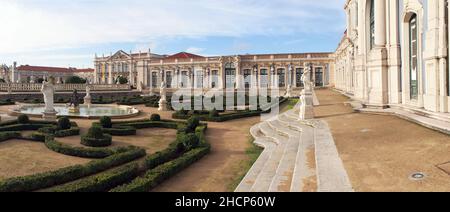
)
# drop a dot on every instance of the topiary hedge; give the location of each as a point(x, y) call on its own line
point(97, 142)
point(4, 136)
point(23, 119)
point(105, 122)
point(81, 152)
point(155, 117)
point(96, 138)
point(64, 123)
point(157, 175)
point(120, 131)
point(101, 182)
point(64, 175)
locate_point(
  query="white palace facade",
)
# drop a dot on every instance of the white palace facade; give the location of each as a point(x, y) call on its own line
point(146, 71)
point(395, 53)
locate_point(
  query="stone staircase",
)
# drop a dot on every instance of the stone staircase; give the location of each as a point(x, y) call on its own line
point(284, 167)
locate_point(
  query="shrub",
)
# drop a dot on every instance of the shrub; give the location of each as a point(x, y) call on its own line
point(106, 122)
point(101, 182)
point(190, 141)
point(192, 124)
point(64, 175)
point(213, 113)
point(4, 136)
point(23, 119)
point(75, 80)
point(64, 123)
point(105, 141)
point(155, 117)
point(157, 175)
point(95, 132)
point(81, 152)
point(120, 131)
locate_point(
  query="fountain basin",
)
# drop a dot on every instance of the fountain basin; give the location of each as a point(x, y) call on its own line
point(92, 112)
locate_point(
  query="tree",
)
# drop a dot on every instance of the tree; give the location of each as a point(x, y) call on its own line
point(75, 80)
point(2, 80)
point(122, 80)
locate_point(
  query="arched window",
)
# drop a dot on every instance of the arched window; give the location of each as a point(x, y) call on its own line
point(413, 54)
point(372, 24)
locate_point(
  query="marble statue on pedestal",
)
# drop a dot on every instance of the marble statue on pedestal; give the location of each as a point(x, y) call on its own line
point(288, 92)
point(88, 98)
point(48, 90)
point(306, 99)
point(163, 100)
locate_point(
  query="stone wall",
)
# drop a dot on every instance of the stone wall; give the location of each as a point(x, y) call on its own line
point(66, 95)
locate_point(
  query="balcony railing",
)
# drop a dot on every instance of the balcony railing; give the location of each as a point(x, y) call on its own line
point(36, 87)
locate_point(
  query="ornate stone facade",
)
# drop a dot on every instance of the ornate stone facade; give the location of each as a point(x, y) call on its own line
point(395, 54)
point(32, 74)
point(146, 71)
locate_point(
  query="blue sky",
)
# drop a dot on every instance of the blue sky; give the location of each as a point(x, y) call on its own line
point(70, 32)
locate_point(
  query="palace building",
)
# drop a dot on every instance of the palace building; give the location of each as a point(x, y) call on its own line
point(146, 71)
point(395, 54)
point(33, 74)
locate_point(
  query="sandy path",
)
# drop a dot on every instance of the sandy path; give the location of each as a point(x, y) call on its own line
point(216, 171)
point(381, 152)
point(21, 158)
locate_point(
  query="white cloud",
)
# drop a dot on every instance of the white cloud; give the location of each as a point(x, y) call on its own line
point(195, 50)
point(36, 25)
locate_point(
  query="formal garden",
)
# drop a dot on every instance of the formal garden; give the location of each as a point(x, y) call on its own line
point(118, 169)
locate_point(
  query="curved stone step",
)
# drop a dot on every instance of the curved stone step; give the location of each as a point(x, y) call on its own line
point(266, 175)
point(284, 175)
point(302, 170)
point(250, 178)
point(272, 133)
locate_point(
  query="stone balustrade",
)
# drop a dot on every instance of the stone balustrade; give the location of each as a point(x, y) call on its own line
point(36, 87)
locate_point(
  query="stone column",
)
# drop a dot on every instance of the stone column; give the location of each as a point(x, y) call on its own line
point(432, 55)
point(377, 65)
point(238, 77)
point(110, 73)
point(380, 23)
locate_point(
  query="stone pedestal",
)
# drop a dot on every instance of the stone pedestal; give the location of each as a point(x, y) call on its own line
point(162, 105)
point(307, 105)
point(74, 109)
point(49, 116)
point(87, 101)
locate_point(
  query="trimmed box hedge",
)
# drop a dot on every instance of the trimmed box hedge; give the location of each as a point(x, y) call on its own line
point(4, 136)
point(101, 182)
point(120, 131)
point(81, 152)
point(157, 175)
point(96, 142)
point(64, 175)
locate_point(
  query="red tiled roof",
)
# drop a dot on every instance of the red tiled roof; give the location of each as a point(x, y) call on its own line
point(52, 69)
point(184, 55)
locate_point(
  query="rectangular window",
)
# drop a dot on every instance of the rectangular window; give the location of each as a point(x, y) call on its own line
point(299, 74)
point(281, 78)
point(214, 78)
point(154, 80)
point(199, 79)
point(169, 79)
point(264, 78)
point(247, 77)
